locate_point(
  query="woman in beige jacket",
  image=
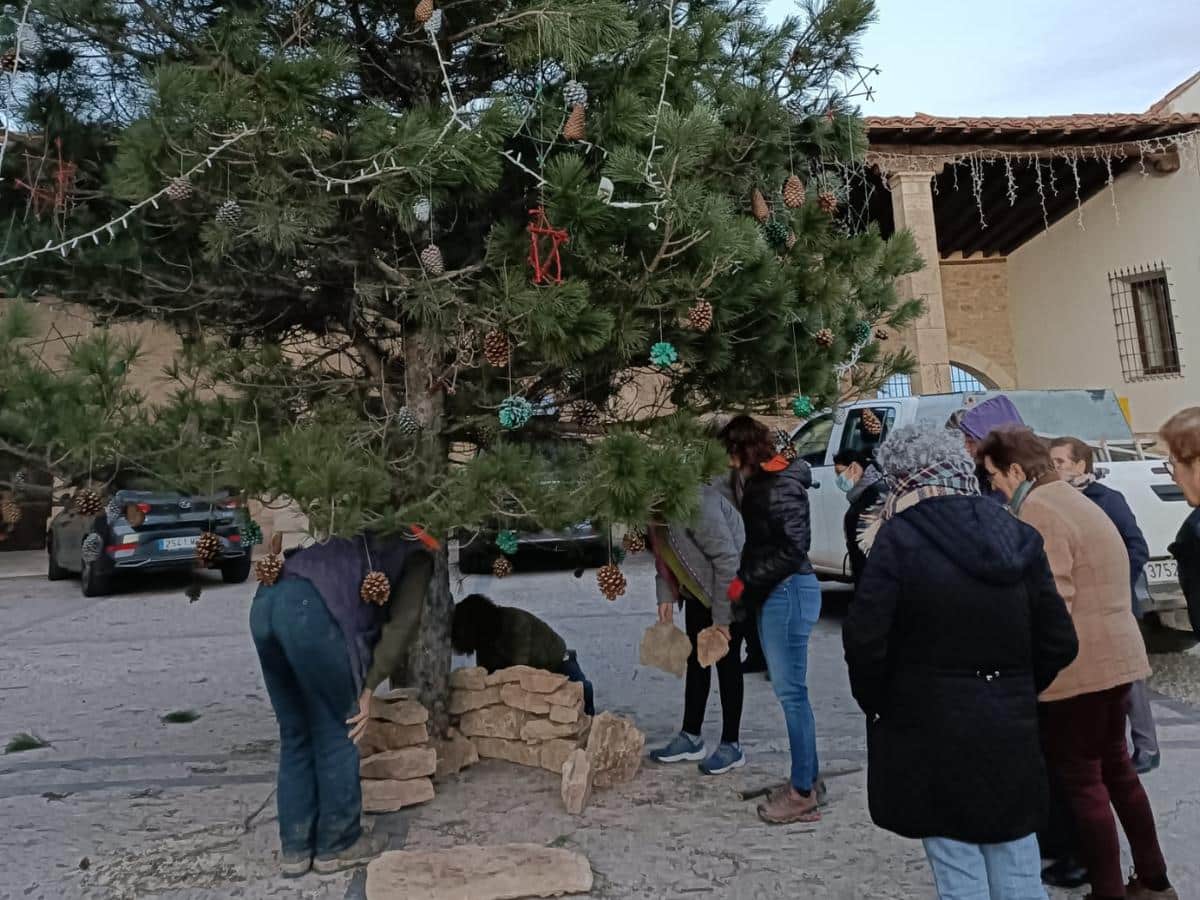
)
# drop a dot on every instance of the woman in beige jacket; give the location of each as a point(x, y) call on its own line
point(1083, 726)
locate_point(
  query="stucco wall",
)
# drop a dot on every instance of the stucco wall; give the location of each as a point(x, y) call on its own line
point(1062, 314)
point(978, 324)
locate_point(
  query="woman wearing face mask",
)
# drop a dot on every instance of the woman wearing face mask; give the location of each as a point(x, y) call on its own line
point(865, 487)
point(1083, 711)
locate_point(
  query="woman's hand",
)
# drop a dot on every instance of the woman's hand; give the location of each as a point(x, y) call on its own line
point(666, 613)
point(358, 722)
point(724, 629)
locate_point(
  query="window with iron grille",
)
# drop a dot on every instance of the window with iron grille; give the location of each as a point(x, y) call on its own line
point(1145, 320)
point(895, 387)
point(963, 381)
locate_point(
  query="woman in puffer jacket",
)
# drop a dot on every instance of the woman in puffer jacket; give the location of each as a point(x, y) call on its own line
point(776, 579)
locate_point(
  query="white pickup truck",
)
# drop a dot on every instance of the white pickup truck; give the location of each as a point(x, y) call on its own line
point(1093, 416)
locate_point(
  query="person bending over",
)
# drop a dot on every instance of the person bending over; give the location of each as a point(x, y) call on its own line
point(504, 636)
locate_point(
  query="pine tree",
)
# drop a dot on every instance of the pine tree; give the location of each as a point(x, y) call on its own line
point(302, 159)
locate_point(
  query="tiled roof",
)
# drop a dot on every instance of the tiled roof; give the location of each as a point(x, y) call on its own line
point(1075, 129)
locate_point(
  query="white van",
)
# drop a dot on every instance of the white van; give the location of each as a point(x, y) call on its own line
point(1093, 416)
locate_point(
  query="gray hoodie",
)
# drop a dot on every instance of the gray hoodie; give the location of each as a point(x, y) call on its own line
point(710, 548)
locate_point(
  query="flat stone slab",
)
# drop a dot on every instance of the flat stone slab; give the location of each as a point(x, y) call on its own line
point(390, 796)
point(504, 872)
point(400, 765)
point(665, 647)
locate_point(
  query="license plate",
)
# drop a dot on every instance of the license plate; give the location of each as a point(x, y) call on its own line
point(1162, 570)
point(182, 543)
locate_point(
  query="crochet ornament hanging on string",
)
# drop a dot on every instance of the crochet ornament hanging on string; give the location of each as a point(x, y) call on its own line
point(544, 243)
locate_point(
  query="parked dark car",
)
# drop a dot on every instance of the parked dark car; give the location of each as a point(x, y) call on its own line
point(144, 531)
point(579, 546)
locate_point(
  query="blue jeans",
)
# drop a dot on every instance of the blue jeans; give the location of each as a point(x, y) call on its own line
point(570, 668)
point(1011, 871)
point(306, 667)
point(785, 624)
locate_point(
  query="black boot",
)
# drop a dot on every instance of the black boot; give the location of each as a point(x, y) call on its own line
point(1065, 873)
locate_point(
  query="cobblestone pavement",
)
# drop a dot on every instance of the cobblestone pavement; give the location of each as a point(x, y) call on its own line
point(121, 805)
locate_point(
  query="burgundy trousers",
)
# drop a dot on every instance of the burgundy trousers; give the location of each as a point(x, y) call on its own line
point(1083, 739)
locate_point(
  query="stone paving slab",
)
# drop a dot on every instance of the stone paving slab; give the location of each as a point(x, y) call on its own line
point(187, 811)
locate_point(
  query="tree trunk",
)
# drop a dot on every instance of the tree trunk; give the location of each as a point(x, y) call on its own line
point(430, 667)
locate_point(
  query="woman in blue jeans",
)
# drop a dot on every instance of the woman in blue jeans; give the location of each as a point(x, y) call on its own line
point(776, 578)
point(323, 651)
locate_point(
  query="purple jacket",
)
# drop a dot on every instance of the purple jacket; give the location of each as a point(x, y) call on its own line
point(979, 421)
point(336, 569)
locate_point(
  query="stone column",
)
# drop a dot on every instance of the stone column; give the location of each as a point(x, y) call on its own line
point(912, 206)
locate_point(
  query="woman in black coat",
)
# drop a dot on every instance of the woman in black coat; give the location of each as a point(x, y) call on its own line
point(955, 629)
point(864, 485)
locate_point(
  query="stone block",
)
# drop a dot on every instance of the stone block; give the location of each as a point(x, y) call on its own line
point(495, 722)
point(565, 714)
point(402, 712)
point(389, 796)
point(465, 701)
point(518, 698)
point(400, 765)
point(503, 872)
point(554, 753)
point(510, 751)
point(577, 774)
point(539, 681)
point(615, 746)
point(382, 736)
point(537, 730)
point(711, 646)
point(665, 647)
point(570, 694)
point(507, 676)
point(472, 679)
point(454, 753)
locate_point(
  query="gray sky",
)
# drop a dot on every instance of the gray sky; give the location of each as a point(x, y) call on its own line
point(1026, 57)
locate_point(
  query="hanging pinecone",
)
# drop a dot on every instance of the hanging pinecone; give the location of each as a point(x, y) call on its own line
point(784, 445)
point(870, 423)
point(515, 412)
point(423, 11)
point(700, 316)
point(434, 25)
point(113, 511)
point(881, 334)
point(179, 188)
point(422, 209)
point(585, 413)
point(575, 94)
point(267, 569)
point(793, 192)
point(824, 337)
point(252, 534)
point(496, 348)
point(776, 233)
point(634, 542)
point(791, 240)
point(611, 581)
point(87, 502)
point(375, 588)
point(431, 259)
point(207, 547)
point(8, 60)
point(862, 332)
point(828, 202)
point(229, 214)
point(502, 568)
point(758, 206)
point(575, 128)
point(802, 406)
point(19, 478)
point(91, 548)
point(406, 423)
point(10, 511)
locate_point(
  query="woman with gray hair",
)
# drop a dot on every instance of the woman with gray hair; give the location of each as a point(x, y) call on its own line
point(955, 629)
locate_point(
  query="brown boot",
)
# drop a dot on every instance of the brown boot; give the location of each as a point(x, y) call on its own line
point(786, 807)
point(780, 789)
point(1135, 890)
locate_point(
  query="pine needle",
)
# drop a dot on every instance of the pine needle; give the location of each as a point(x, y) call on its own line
point(25, 741)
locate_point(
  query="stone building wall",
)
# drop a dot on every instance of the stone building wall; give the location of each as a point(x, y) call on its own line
point(978, 320)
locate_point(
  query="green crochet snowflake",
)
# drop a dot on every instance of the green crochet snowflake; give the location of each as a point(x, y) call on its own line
point(506, 541)
point(663, 355)
point(802, 406)
point(515, 412)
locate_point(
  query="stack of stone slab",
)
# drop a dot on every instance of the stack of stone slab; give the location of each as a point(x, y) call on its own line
point(526, 716)
point(535, 718)
point(397, 758)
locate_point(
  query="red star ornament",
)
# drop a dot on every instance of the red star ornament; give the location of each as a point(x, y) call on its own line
point(544, 241)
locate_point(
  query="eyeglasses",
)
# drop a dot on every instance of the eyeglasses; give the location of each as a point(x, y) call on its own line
point(1170, 467)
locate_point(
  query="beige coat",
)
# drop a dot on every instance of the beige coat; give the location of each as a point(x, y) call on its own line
point(1091, 570)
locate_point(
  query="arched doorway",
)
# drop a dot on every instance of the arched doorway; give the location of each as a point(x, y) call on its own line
point(965, 380)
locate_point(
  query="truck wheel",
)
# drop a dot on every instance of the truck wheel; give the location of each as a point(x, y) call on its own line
point(1161, 638)
point(54, 572)
point(95, 579)
point(235, 571)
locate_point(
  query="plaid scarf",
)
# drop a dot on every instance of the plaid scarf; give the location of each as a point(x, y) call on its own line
point(945, 478)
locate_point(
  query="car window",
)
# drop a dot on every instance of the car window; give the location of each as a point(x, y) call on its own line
point(856, 437)
point(812, 440)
